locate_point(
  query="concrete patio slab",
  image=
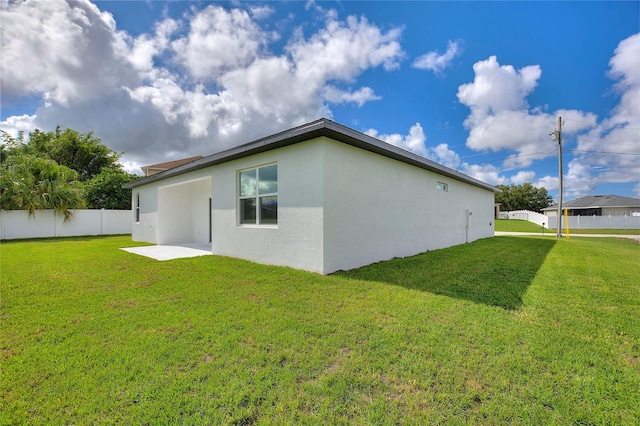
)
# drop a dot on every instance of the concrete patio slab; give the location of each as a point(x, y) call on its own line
point(170, 252)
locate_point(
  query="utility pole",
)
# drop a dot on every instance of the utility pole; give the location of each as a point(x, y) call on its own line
point(556, 135)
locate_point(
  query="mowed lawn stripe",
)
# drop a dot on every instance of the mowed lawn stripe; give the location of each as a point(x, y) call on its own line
point(521, 330)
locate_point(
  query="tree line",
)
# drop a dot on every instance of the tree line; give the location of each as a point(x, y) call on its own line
point(522, 197)
point(61, 170)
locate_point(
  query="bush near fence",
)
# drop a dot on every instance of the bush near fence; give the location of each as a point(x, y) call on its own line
point(17, 224)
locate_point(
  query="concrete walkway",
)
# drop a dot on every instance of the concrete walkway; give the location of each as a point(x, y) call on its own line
point(551, 233)
point(170, 252)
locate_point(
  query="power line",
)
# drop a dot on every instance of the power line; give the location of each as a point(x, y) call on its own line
point(602, 152)
point(511, 157)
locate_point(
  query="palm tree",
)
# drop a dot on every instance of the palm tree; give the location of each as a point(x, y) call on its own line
point(31, 183)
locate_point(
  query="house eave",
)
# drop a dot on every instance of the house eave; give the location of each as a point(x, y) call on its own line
point(315, 129)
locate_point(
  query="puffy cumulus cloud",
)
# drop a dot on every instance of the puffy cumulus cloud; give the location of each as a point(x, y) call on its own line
point(145, 48)
point(547, 182)
point(219, 40)
point(432, 61)
point(344, 49)
point(610, 151)
point(271, 92)
point(612, 148)
point(413, 142)
point(522, 177)
point(445, 156)
point(486, 173)
point(64, 51)
point(501, 119)
point(497, 88)
point(195, 85)
point(359, 97)
point(18, 123)
point(500, 116)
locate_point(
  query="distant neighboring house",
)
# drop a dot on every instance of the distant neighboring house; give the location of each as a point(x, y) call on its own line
point(320, 197)
point(161, 167)
point(598, 205)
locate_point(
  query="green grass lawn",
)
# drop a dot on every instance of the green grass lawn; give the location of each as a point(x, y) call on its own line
point(517, 225)
point(523, 330)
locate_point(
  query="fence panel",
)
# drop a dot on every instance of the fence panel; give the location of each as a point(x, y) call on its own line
point(16, 224)
point(598, 222)
point(527, 215)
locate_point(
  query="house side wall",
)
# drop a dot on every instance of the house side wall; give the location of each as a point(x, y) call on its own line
point(619, 211)
point(182, 219)
point(174, 226)
point(377, 208)
point(296, 240)
point(201, 192)
point(146, 228)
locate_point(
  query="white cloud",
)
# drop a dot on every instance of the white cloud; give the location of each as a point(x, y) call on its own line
point(497, 88)
point(485, 172)
point(413, 142)
point(359, 97)
point(607, 152)
point(145, 48)
point(550, 183)
point(196, 85)
point(444, 155)
point(500, 117)
point(612, 149)
point(343, 50)
point(219, 40)
point(19, 123)
point(261, 12)
point(64, 51)
point(522, 177)
point(437, 63)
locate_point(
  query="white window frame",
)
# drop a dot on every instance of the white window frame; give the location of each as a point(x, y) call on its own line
point(442, 186)
point(257, 196)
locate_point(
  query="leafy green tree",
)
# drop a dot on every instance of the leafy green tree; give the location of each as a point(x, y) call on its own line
point(522, 197)
point(104, 191)
point(29, 182)
point(12, 146)
point(82, 152)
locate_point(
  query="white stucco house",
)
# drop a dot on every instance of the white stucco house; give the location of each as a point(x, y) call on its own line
point(320, 197)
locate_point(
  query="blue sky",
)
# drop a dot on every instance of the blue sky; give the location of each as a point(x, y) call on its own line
point(476, 86)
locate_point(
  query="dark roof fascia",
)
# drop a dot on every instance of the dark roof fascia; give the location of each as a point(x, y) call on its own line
point(315, 129)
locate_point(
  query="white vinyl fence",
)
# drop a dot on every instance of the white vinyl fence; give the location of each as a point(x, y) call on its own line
point(16, 224)
point(598, 222)
point(528, 215)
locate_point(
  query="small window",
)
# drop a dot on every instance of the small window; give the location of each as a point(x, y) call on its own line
point(258, 195)
point(442, 186)
point(137, 207)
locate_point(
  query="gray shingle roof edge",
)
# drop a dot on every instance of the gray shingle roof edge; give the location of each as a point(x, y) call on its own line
point(598, 201)
point(312, 130)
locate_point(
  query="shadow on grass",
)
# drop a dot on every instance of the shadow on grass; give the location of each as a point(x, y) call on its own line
point(495, 271)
